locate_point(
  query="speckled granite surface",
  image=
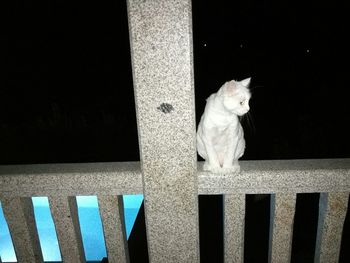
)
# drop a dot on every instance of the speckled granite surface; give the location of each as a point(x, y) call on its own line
point(280, 176)
point(112, 217)
point(281, 227)
point(161, 48)
point(234, 222)
point(332, 212)
point(64, 212)
point(285, 177)
point(293, 176)
point(19, 215)
point(71, 179)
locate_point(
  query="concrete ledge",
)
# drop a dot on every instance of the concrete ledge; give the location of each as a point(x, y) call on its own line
point(71, 179)
point(280, 176)
point(275, 176)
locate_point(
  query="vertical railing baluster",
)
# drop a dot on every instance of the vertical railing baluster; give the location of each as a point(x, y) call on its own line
point(332, 212)
point(112, 215)
point(65, 215)
point(281, 226)
point(19, 214)
point(234, 221)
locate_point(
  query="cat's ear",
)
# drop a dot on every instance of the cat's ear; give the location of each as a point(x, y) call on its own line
point(230, 88)
point(246, 82)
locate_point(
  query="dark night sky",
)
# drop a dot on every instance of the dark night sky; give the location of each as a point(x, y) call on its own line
point(66, 91)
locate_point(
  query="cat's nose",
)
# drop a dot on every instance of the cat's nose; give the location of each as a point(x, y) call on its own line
point(247, 108)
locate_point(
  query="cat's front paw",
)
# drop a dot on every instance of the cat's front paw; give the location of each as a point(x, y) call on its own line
point(218, 170)
point(206, 166)
point(211, 168)
point(222, 171)
point(232, 169)
point(236, 169)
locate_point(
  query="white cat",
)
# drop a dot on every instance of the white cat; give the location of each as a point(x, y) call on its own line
point(220, 137)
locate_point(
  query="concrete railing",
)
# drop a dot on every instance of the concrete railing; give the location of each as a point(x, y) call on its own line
point(109, 181)
point(162, 63)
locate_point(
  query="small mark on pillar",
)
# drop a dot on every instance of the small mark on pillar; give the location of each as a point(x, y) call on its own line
point(165, 108)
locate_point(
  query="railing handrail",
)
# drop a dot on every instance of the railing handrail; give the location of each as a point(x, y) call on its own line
point(272, 176)
point(71, 179)
point(282, 178)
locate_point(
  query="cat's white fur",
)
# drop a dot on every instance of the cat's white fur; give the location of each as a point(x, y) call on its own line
point(220, 137)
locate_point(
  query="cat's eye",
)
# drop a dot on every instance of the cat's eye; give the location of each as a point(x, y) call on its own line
point(242, 102)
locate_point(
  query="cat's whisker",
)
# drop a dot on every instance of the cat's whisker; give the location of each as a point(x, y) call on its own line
point(251, 121)
point(248, 120)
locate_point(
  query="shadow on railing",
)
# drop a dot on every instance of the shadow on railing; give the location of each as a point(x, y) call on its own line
point(61, 183)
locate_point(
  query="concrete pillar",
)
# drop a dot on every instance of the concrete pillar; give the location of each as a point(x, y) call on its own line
point(161, 50)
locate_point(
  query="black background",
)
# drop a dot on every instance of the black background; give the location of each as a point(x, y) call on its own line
point(66, 92)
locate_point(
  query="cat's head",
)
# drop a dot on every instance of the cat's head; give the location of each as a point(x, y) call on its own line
point(236, 96)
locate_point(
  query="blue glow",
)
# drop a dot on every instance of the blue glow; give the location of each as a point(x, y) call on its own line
point(91, 228)
point(132, 204)
point(46, 229)
point(7, 252)
point(90, 224)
